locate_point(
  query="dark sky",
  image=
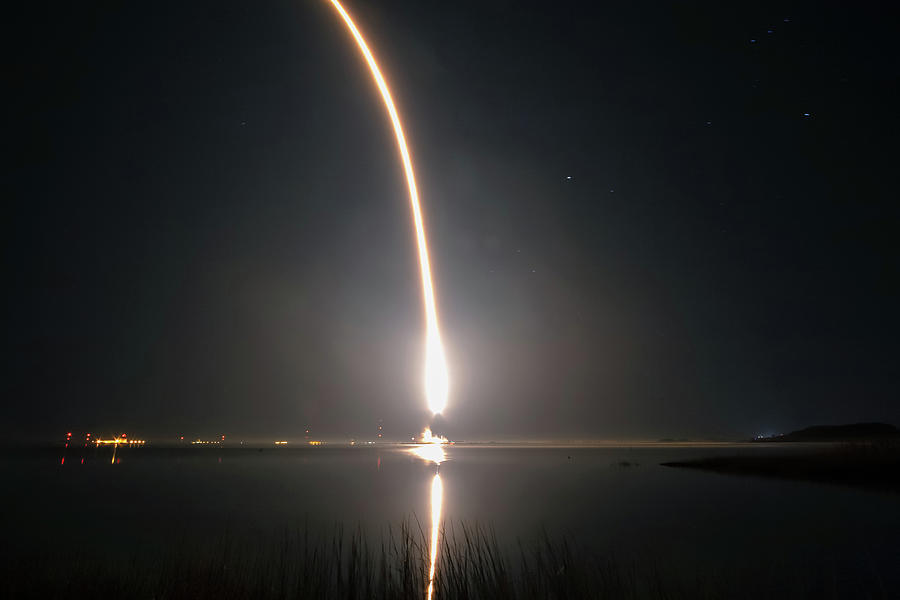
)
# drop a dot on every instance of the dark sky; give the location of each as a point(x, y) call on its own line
point(666, 219)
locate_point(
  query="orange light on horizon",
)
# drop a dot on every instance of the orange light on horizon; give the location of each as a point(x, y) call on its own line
point(436, 377)
point(117, 441)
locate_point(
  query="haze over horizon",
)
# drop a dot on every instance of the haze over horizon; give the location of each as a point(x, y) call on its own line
point(208, 229)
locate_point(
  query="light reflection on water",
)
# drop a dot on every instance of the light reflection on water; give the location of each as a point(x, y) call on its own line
point(437, 502)
point(616, 500)
point(434, 454)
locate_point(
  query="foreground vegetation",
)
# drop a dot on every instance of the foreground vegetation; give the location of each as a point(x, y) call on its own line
point(345, 565)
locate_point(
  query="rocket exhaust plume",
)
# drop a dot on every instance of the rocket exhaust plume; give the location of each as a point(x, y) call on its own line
point(436, 376)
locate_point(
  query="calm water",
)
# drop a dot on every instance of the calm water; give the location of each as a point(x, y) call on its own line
point(153, 498)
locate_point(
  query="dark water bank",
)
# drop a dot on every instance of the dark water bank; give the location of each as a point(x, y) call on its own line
point(471, 565)
point(854, 432)
point(873, 465)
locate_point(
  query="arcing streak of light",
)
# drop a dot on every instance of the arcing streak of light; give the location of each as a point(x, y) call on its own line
point(436, 376)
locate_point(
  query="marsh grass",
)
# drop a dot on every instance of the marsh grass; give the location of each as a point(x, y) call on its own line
point(472, 564)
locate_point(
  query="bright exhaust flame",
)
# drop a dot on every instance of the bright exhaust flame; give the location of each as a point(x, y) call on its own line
point(430, 438)
point(436, 376)
point(430, 449)
point(437, 503)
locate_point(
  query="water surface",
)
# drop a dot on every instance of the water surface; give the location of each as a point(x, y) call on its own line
point(610, 500)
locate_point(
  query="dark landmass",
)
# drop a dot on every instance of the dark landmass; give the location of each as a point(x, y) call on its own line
point(873, 465)
point(838, 433)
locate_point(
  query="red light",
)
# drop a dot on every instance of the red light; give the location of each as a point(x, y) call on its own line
point(69, 434)
point(82, 461)
point(63, 461)
point(123, 435)
point(182, 437)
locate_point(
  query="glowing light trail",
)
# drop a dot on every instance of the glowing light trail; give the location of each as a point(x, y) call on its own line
point(436, 376)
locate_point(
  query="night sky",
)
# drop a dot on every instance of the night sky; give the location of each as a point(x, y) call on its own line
point(646, 220)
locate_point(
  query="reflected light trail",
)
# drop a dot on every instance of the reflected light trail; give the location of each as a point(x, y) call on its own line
point(433, 453)
point(437, 503)
point(436, 376)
